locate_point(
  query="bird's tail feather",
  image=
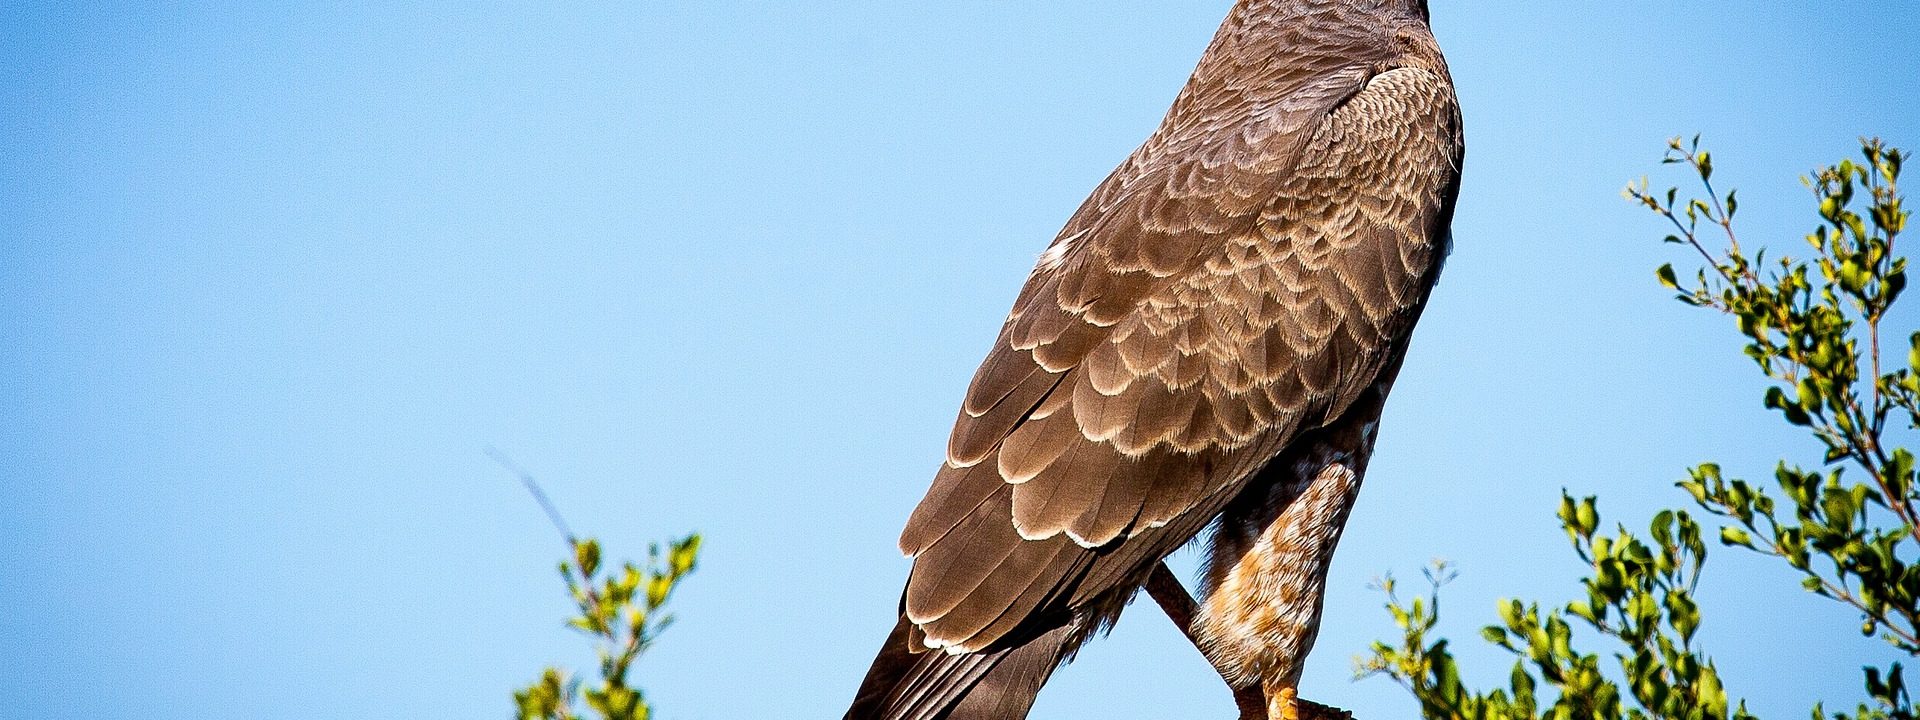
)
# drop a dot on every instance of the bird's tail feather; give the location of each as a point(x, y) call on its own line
point(998, 683)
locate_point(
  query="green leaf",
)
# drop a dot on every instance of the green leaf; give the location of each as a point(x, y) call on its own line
point(587, 554)
point(1587, 516)
point(1735, 536)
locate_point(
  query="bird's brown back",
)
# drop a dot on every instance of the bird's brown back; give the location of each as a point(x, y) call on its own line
point(1242, 277)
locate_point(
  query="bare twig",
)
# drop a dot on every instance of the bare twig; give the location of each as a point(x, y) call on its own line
point(533, 487)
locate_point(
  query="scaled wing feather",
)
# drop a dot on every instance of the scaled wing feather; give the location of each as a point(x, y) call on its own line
point(1233, 283)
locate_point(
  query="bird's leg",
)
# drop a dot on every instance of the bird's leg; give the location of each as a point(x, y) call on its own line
point(1283, 704)
point(1254, 703)
point(1166, 590)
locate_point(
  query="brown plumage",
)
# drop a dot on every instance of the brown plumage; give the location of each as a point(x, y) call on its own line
point(1211, 336)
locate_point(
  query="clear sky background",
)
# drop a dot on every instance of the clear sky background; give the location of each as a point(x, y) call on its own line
point(271, 275)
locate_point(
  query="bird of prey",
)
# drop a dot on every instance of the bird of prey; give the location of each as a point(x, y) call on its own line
point(1209, 341)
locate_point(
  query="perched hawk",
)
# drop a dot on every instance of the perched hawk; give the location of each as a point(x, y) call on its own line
point(1210, 339)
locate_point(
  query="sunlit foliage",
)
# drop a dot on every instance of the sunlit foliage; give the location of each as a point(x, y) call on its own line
point(1846, 521)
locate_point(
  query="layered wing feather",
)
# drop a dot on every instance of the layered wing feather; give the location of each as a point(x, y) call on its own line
point(1235, 282)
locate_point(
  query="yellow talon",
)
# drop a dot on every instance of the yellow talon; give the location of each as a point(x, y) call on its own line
point(1283, 704)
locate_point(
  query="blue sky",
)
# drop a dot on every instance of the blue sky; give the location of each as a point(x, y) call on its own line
point(272, 274)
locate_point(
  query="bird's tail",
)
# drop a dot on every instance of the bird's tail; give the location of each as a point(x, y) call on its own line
point(998, 683)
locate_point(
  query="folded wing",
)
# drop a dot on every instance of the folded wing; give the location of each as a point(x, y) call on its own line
point(1194, 316)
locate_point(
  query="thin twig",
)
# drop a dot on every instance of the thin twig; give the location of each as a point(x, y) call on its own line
point(533, 487)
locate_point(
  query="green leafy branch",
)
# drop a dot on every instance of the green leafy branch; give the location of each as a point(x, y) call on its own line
point(623, 610)
point(1803, 325)
point(1811, 327)
point(1637, 594)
